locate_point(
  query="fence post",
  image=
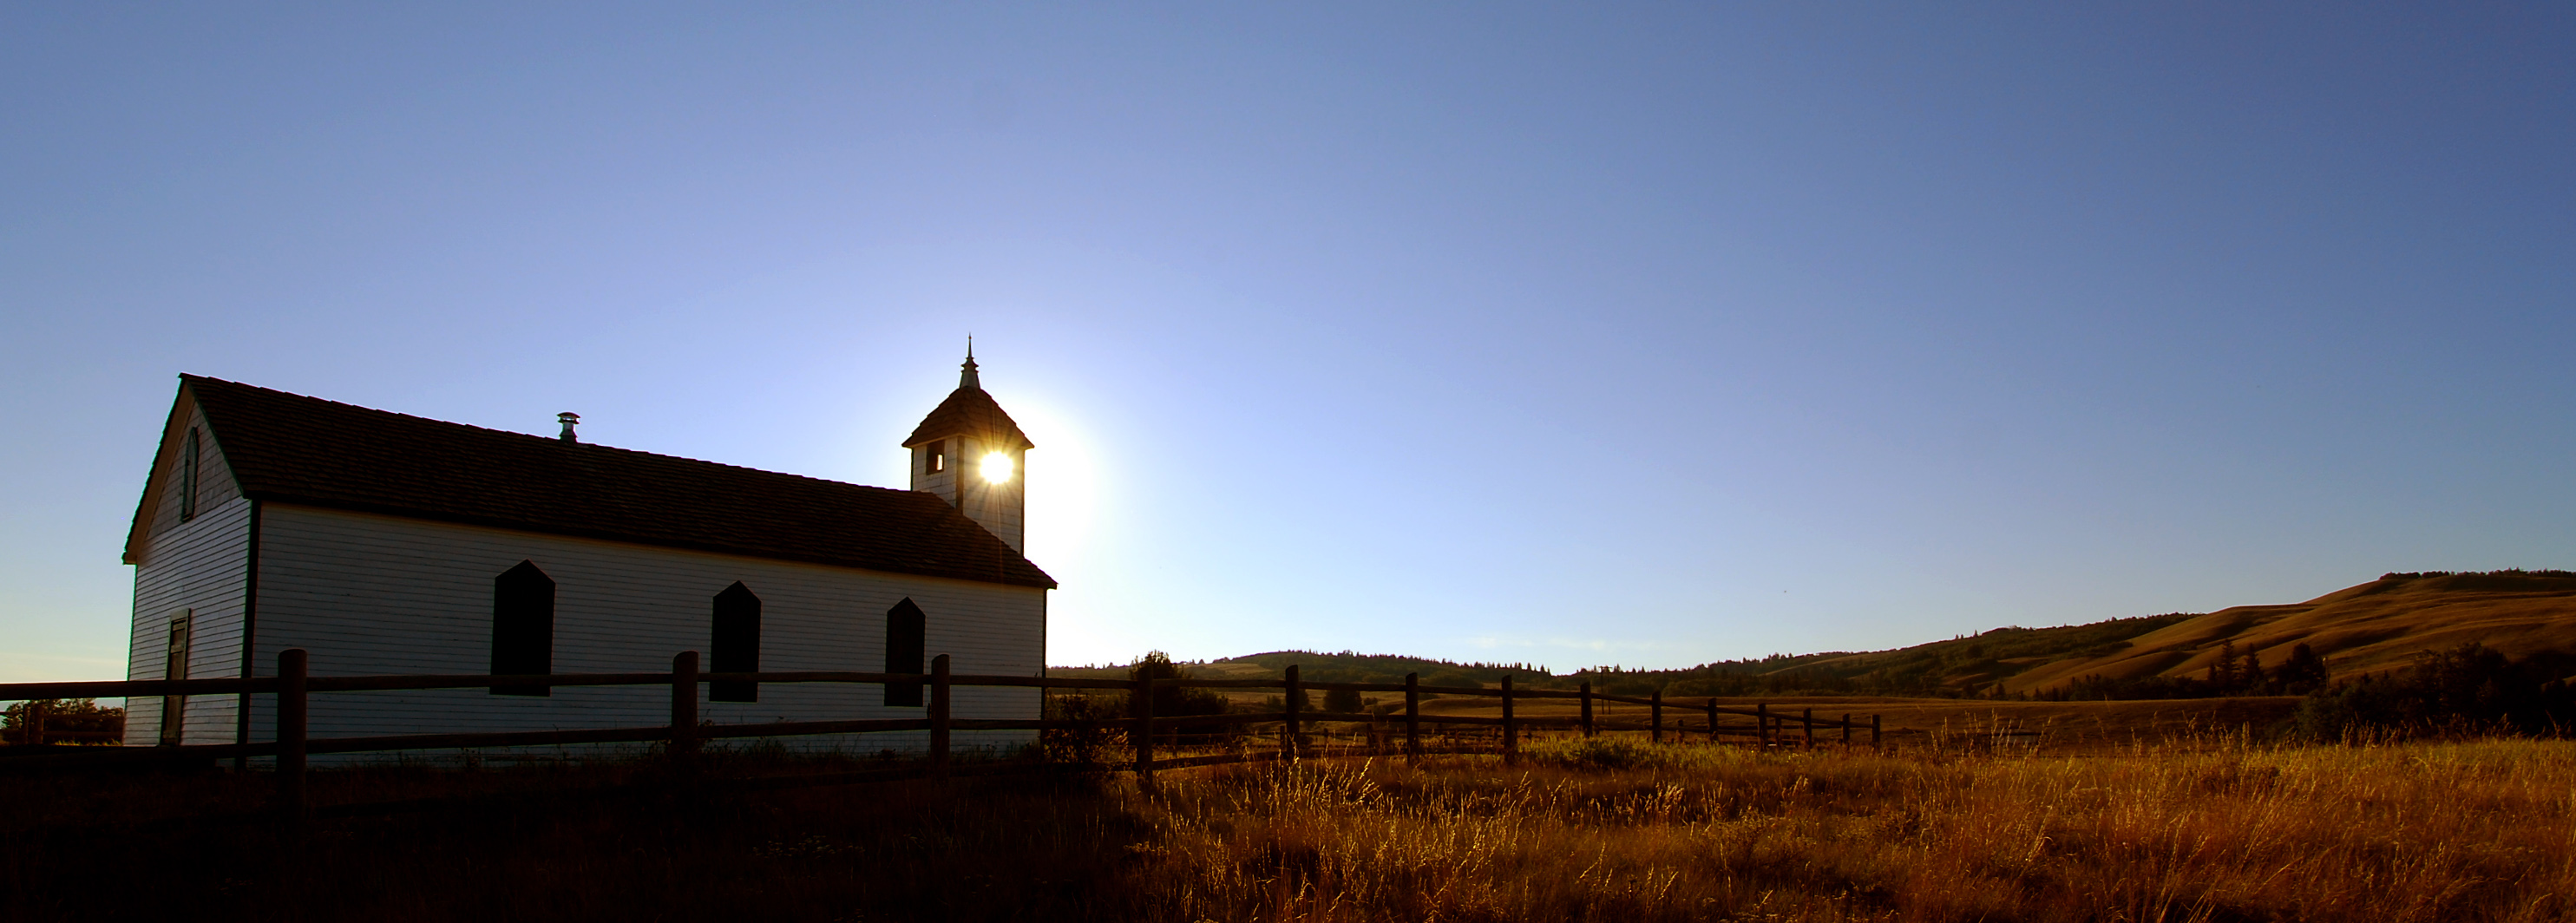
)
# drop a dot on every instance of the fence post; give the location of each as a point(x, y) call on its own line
point(1762, 724)
point(1873, 731)
point(33, 730)
point(1712, 719)
point(1294, 727)
point(939, 715)
point(1511, 728)
point(1144, 733)
point(291, 718)
point(684, 707)
point(1807, 727)
point(1413, 717)
point(1587, 708)
point(1656, 709)
point(1846, 730)
point(1144, 728)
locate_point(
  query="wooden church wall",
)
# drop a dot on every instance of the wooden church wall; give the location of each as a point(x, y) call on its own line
point(199, 566)
point(370, 594)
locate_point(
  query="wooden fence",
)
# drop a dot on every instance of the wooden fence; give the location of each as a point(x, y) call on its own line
point(293, 687)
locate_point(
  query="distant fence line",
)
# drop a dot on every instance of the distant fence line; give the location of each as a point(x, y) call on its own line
point(293, 687)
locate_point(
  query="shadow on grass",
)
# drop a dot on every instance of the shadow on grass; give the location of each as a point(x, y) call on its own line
point(639, 846)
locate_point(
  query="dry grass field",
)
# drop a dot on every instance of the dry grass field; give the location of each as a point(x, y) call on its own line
point(2203, 826)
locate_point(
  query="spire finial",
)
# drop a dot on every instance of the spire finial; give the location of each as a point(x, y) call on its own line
point(966, 378)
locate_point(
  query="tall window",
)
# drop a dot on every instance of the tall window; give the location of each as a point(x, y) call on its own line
point(905, 631)
point(523, 626)
point(188, 477)
point(174, 665)
point(736, 645)
point(935, 458)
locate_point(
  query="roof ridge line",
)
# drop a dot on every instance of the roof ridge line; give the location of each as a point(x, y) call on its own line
point(544, 439)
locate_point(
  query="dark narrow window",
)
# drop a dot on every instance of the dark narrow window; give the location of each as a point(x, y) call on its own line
point(523, 626)
point(188, 477)
point(904, 643)
point(174, 665)
point(935, 459)
point(736, 645)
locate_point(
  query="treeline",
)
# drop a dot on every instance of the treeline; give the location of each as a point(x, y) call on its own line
point(1349, 667)
point(84, 718)
point(2507, 572)
point(2469, 689)
point(2228, 674)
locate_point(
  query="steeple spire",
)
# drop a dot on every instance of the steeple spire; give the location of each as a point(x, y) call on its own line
point(966, 377)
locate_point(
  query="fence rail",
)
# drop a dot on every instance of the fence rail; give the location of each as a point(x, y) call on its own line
point(293, 686)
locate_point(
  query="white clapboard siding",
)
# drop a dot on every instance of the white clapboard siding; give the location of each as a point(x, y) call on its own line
point(202, 564)
point(370, 594)
point(997, 507)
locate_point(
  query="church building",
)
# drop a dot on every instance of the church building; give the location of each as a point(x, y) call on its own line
point(383, 543)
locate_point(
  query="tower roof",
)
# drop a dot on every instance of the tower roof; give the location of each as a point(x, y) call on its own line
point(969, 411)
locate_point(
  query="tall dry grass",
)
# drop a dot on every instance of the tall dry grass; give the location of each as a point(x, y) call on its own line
point(2210, 828)
point(2203, 830)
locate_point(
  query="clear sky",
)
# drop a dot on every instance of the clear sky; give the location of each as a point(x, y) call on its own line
point(1569, 334)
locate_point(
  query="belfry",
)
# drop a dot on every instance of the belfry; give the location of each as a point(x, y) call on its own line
point(969, 453)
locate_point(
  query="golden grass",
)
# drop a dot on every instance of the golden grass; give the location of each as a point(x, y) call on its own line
point(2467, 831)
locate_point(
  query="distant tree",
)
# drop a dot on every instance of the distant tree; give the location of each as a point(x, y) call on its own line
point(2467, 689)
point(1343, 700)
point(2094, 686)
point(2253, 678)
point(2222, 671)
point(67, 716)
point(1172, 700)
point(2303, 672)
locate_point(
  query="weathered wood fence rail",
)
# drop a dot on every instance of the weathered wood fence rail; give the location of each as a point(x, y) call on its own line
point(294, 687)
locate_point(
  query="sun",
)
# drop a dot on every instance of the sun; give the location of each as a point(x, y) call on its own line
point(997, 467)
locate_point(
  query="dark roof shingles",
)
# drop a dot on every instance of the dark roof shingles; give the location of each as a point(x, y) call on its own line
point(973, 412)
point(298, 449)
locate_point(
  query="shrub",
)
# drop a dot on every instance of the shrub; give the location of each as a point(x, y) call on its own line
point(1083, 747)
point(1181, 701)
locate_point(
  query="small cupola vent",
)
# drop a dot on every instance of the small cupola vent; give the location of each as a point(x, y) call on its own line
point(568, 419)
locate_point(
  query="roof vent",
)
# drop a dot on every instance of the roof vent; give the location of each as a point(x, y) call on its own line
point(568, 418)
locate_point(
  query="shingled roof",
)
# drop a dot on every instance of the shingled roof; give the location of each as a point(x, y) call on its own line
point(969, 411)
point(290, 448)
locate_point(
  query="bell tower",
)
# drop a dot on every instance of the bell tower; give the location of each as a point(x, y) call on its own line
point(970, 453)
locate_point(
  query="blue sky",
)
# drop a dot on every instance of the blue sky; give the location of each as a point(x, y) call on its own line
point(1649, 335)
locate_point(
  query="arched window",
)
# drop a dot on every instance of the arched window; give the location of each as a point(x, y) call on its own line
point(523, 626)
point(736, 645)
point(905, 630)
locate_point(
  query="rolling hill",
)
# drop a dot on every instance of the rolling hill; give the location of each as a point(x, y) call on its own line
point(2374, 626)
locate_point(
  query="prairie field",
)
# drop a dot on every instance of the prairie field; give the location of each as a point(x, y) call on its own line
point(2205, 827)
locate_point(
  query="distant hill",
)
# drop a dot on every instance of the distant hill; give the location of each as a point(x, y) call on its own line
point(2375, 626)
